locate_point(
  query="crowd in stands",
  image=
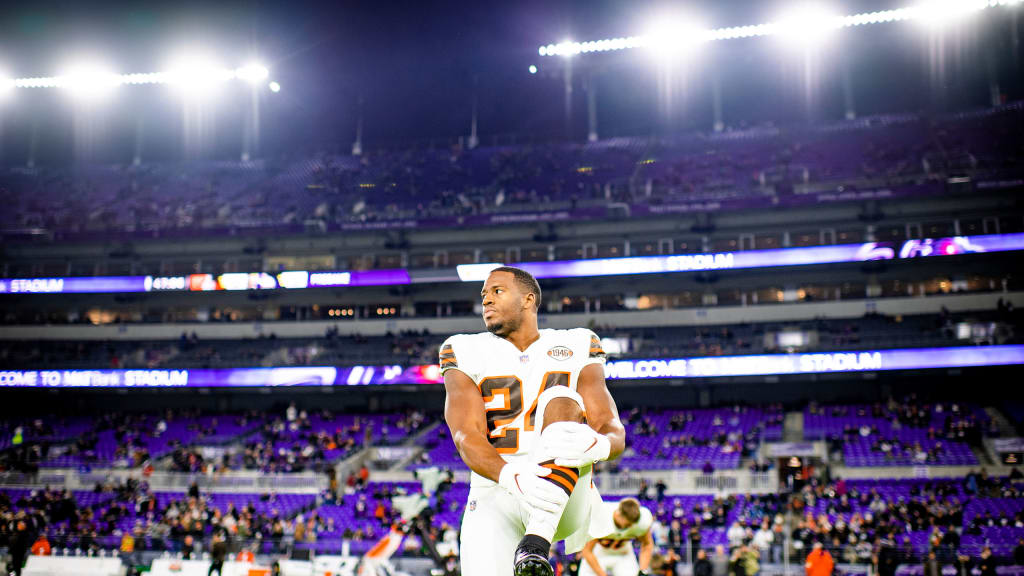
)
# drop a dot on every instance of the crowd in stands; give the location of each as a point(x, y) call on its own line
point(903, 432)
point(456, 182)
point(187, 441)
point(882, 524)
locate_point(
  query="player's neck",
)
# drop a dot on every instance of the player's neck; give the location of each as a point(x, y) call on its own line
point(524, 337)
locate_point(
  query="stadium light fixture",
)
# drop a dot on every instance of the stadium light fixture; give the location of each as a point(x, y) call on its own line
point(671, 38)
point(935, 11)
point(532, 69)
point(198, 76)
point(88, 81)
point(939, 13)
point(192, 74)
point(807, 25)
point(274, 87)
point(252, 73)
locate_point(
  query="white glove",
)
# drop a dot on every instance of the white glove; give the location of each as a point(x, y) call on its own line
point(574, 445)
point(526, 482)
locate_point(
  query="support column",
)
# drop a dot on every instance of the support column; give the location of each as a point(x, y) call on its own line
point(473, 141)
point(848, 102)
point(591, 109)
point(357, 146)
point(137, 150)
point(995, 94)
point(33, 144)
point(716, 102)
point(567, 76)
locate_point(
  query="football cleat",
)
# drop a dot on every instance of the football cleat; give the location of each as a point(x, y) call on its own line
point(532, 558)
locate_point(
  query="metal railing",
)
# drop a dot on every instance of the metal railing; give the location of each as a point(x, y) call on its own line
point(240, 481)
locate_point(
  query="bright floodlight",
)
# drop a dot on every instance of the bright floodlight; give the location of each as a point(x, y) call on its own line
point(6, 85)
point(807, 25)
point(938, 13)
point(252, 73)
point(89, 81)
point(670, 38)
point(198, 76)
point(533, 69)
point(274, 87)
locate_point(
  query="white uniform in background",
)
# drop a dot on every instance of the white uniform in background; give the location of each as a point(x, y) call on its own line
point(614, 548)
point(511, 382)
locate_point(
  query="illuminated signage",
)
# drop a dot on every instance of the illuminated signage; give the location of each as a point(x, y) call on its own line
point(707, 367)
point(300, 279)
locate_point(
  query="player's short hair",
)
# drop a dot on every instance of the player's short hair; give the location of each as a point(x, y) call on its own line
point(525, 280)
point(630, 510)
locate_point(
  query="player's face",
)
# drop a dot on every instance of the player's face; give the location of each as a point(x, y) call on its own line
point(620, 521)
point(502, 303)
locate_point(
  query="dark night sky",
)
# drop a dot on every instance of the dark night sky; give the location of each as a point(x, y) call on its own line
point(414, 62)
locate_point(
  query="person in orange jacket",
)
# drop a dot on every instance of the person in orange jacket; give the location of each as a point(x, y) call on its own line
point(245, 555)
point(819, 562)
point(41, 547)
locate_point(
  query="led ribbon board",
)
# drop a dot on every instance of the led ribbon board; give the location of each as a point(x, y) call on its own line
point(704, 367)
point(746, 259)
point(918, 248)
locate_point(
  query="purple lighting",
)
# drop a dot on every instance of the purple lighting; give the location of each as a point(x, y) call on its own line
point(708, 367)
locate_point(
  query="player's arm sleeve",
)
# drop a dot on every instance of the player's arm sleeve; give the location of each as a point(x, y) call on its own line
point(595, 352)
point(446, 356)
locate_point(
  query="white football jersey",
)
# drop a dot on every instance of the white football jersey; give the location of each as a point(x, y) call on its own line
point(610, 538)
point(511, 380)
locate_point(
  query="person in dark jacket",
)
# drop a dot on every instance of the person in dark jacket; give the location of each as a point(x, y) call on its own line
point(1018, 553)
point(218, 550)
point(932, 566)
point(963, 565)
point(19, 545)
point(987, 562)
point(702, 566)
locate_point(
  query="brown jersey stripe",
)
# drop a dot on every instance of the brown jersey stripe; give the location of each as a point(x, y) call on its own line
point(574, 475)
point(568, 473)
point(563, 476)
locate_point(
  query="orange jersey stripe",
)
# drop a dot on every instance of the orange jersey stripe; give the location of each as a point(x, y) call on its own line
point(559, 480)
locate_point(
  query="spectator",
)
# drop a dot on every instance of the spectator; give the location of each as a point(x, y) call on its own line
point(735, 535)
point(1018, 553)
point(245, 555)
point(659, 489)
point(19, 546)
point(669, 562)
point(720, 562)
point(127, 544)
point(932, 566)
point(763, 542)
point(702, 566)
point(751, 566)
point(987, 563)
point(41, 547)
point(819, 562)
point(962, 564)
point(736, 564)
point(218, 551)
